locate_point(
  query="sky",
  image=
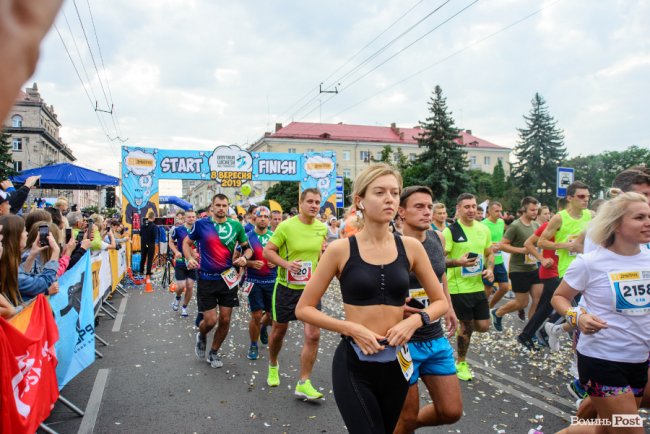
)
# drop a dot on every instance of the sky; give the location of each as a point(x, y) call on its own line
point(192, 74)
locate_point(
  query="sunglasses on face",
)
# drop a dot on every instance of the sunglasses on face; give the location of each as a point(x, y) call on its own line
point(583, 196)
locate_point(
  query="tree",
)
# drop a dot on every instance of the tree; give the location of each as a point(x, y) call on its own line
point(539, 151)
point(6, 160)
point(347, 191)
point(443, 164)
point(401, 162)
point(285, 193)
point(386, 155)
point(480, 184)
point(498, 181)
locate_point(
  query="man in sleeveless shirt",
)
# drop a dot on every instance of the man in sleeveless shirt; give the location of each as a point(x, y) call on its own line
point(433, 357)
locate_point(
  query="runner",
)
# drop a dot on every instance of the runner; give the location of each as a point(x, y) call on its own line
point(259, 282)
point(467, 245)
point(480, 214)
point(522, 267)
point(184, 278)
point(614, 317)
point(216, 237)
point(496, 225)
point(433, 357)
point(439, 222)
point(295, 247)
point(276, 219)
point(370, 372)
point(249, 218)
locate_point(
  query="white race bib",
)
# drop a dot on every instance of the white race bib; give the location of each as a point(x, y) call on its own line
point(420, 295)
point(231, 277)
point(475, 270)
point(405, 361)
point(246, 287)
point(302, 276)
point(630, 292)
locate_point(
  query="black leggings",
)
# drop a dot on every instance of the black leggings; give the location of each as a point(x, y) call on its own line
point(369, 395)
point(147, 254)
point(544, 308)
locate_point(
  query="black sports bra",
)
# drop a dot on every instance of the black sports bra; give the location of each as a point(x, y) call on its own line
point(364, 284)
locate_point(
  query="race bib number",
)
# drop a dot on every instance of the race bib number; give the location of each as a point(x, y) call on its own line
point(246, 288)
point(571, 239)
point(302, 276)
point(530, 259)
point(420, 295)
point(631, 292)
point(231, 277)
point(498, 253)
point(475, 270)
point(405, 361)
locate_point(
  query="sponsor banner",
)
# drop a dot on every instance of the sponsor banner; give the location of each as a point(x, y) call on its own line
point(101, 276)
point(75, 319)
point(319, 171)
point(28, 386)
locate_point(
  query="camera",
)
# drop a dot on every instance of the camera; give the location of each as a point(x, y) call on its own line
point(43, 232)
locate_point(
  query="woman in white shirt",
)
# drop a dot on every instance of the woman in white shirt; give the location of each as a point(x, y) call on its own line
point(614, 316)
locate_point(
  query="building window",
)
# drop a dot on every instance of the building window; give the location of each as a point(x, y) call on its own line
point(412, 157)
point(17, 144)
point(346, 155)
point(472, 160)
point(17, 121)
point(310, 150)
point(292, 150)
point(486, 161)
point(364, 156)
point(378, 156)
point(18, 166)
point(346, 173)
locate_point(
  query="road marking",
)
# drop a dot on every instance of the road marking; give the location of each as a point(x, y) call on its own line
point(94, 402)
point(527, 398)
point(527, 386)
point(120, 314)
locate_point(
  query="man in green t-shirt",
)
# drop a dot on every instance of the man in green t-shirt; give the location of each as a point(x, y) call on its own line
point(469, 259)
point(295, 248)
point(496, 225)
point(523, 267)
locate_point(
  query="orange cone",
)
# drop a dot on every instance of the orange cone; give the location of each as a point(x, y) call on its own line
point(148, 287)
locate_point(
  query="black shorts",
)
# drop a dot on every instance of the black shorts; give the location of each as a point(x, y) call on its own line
point(470, 306)
point(182, 273)
point(604, 378)
point(213, 293)
point(285, 301)
point(522, 281)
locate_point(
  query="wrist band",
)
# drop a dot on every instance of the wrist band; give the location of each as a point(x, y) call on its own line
point(572, 315)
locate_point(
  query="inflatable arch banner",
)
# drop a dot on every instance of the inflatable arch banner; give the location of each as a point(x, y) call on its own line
point(227, 166)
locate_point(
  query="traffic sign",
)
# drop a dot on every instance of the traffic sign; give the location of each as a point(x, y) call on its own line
point(339, 192)
point(565, 177)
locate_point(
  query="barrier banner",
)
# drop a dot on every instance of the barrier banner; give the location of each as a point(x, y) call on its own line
point(112, 255)
point(28, 387)
point(101, 277)
point(75, 318)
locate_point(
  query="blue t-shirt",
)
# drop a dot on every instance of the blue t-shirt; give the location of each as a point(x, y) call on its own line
point(216, 243)
point(264, 275)
point(178, 235)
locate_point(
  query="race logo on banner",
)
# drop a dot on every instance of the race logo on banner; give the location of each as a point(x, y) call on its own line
point(28, 387)
point(74, 314)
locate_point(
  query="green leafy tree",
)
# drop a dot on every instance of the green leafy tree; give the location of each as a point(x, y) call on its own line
point(347, 191)
point(498, 181)
point(6, 160)
point(539, 152)
point(401, 162)
point(480, 185)
point(443, 164)
point(387, 155)
point(285, 193)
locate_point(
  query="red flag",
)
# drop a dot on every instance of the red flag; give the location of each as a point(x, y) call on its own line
point(28, 387)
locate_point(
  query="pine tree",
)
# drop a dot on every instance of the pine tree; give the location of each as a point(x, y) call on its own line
point(498, 180)
point(443, 164)
point(539, 151)
point(6, 160)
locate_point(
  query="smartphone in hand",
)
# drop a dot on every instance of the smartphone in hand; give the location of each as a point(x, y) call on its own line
point(43, 233)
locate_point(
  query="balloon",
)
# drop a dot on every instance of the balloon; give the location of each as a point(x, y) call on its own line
point(246, 189)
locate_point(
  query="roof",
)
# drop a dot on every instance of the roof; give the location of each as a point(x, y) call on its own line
point(67, 176)
point(366, 133)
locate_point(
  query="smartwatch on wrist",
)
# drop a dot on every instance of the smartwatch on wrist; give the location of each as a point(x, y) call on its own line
point(425, 318)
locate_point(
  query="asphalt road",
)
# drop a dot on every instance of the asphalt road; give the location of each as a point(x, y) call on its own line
point(149, 380)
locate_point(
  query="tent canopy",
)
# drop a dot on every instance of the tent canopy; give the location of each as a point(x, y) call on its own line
point(67, 176)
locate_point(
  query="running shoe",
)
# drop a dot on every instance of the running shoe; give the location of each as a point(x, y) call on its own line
point(307, 391)
point(175, 305)
point(264, 335)
point(252, 352)
point(521, 314)
point(576, 390)
point(496, 321)
point(509, 295)
point(214, 360)
point(184, 311)
point(273, 378)
point(199, 349)
point(554, 331)
point(463, 372)
point(527, 343)
point(534, 431)
point(540, 339)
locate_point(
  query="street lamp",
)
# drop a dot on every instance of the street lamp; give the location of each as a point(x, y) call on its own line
point(543, 190)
